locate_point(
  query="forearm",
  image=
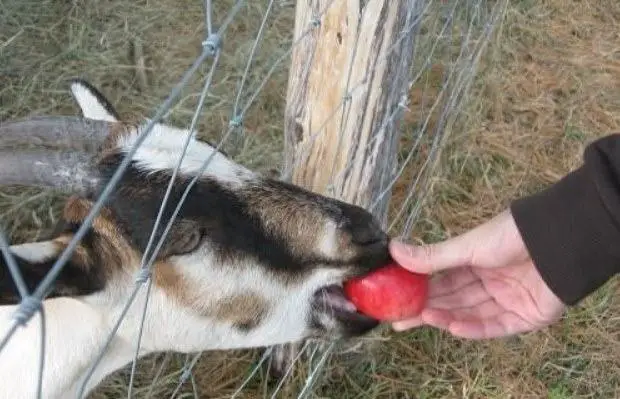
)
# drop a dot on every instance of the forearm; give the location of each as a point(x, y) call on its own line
point(572, 229)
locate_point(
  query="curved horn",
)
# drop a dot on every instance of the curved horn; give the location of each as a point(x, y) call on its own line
point(55, 132)
point(68, 171)
point(53, 152)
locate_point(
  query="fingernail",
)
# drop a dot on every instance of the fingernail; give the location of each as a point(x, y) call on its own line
point(398, 326)
point(406, 325)
point(400, 248)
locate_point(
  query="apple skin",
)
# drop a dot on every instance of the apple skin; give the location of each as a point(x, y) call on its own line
point(390, 293)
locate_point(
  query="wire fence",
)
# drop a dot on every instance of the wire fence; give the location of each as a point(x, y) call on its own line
point(448, 41)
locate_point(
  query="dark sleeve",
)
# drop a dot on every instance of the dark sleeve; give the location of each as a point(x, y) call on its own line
point(572, 229)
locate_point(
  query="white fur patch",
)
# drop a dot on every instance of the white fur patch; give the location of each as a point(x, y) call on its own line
point(35, 252)
point(329, 240)
point(164, 145)
point(89, 104)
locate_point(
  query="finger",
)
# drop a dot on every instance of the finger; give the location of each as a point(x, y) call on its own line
point(491, 244)
point(432, 258)
point(470, 295)
point(438, 318)
point(502, 325)
point(403, 325)
point(459, 278)
point(441, 318)
point(502, 243)
point(451, 281)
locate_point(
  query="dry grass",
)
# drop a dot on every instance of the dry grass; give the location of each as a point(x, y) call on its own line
point(550, 84)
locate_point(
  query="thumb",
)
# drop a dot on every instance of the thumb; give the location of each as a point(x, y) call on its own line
point(431, 258)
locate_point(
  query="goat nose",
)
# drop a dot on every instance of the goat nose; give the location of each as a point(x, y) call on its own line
point(361, 226)
point(367, 231)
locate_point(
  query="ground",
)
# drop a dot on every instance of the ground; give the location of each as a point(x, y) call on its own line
point(548, 85)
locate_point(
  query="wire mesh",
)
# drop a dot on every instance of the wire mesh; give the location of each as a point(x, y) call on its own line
point(449, 39)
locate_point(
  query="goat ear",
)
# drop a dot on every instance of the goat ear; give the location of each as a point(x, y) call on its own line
point(184, 236)
point(34, 260)
point(92, 103)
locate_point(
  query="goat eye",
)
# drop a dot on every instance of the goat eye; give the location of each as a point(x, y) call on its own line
point(198, 234)
point(185, 237)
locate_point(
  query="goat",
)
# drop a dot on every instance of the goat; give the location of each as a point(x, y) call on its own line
point(251, 261)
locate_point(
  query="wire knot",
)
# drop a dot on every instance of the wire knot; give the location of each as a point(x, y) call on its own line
point(316, 22)
point(26, 309)
point(185, 375)
point(347, 97)
point(236, 121)
point(212, 43)
point(143, 275)
point(404, 103)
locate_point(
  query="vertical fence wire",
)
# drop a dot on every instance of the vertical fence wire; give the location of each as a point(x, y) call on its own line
point(446, 103)
point(444, 106)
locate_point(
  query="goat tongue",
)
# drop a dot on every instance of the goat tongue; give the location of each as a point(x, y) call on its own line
point(333, 297)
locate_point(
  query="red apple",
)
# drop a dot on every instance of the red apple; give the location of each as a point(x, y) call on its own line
point(390, 293)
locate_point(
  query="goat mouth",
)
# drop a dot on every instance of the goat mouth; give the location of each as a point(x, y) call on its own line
point(331, 302)
point(333, 298)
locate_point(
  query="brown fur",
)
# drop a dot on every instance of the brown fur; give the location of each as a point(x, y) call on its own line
point(111, 247)
point(298, 218)
point(246, 311)
point(288, 217)
point(80, 255)
point(171, 283)
point(117, 130)
point(114, 249)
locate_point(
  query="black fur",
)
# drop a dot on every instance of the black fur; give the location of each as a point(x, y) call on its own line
point(225, 219)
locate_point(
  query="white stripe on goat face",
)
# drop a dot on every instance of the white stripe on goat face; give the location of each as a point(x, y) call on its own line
point(163, 147)
point(328, 245)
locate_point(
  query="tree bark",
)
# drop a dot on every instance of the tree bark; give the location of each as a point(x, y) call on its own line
point(347, 78)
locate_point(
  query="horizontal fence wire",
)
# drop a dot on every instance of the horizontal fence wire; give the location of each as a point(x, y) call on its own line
point(475, 18)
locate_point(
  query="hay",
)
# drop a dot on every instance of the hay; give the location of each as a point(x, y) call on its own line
point(550, 84)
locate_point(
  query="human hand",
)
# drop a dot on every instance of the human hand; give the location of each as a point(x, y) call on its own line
point(489, 286)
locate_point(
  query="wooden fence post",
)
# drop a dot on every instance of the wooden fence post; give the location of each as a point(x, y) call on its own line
point(347, 79)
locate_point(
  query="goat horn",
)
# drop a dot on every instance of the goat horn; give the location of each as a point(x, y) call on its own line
point(53, 152)
point(55, 132)
point(68, 171)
